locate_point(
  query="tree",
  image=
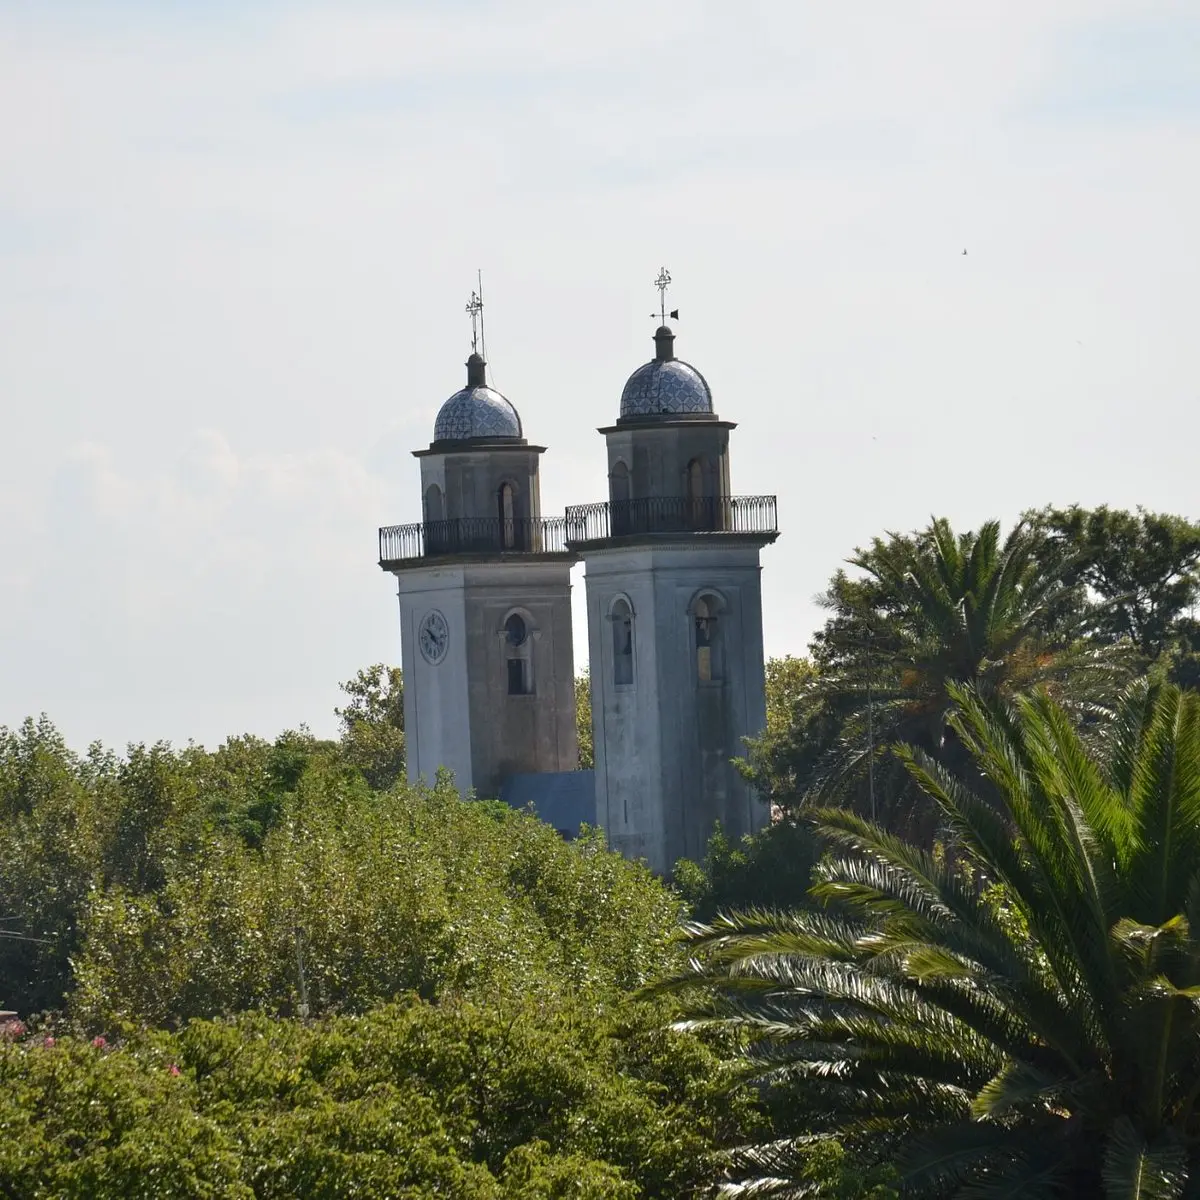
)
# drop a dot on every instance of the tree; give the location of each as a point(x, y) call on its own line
point(426, 995)
point(931, 612)
point(583, 719)
point(768, 869)
point(792, 695)
point(529, 1099)
point(1025, 1024)
point(1141, 570)
point(57, 815)
point(373, 724)
point(356, 897)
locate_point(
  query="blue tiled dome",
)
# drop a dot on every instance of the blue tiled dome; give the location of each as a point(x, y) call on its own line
point(667, 386)
point(477, 411)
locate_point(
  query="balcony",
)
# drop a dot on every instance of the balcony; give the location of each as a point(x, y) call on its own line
point(752, 517)
point(470, 537)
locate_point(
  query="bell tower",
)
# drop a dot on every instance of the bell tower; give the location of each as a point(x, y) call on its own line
point(674, 608)
point(485, 609)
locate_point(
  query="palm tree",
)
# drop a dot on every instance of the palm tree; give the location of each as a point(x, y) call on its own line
point(933, 613)
point(1025, 1023)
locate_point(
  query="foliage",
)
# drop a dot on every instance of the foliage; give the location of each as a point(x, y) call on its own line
point(1180, 661)
point(271, 882)
point(78, 828)
point(931, 612)
point(56, 828)
point(816, 1166)
point(1024, 1024)
point(245, 780)
point(170, 885)
point(583, 719)
point(769, 869)
point(530, 1099)
point(788, 681)
point(1141, 571)
point(357, 897)
point(1139, 581)
point(794, 700)
point(373, 724)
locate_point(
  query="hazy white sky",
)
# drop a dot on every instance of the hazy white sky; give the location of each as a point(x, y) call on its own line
point(236, 241)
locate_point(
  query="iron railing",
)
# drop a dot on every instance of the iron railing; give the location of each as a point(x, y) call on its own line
point(472, 535)
point(671, 514)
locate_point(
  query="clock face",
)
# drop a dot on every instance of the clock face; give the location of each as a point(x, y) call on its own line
point(434, 636)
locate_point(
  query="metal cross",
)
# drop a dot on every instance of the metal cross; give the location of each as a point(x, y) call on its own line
point(475, 312)
point(662, 283)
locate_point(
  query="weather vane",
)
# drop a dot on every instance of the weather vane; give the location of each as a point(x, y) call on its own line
point(662, 283)
point(475, 312)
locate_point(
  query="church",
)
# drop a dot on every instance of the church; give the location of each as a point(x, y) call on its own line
point(674, 612)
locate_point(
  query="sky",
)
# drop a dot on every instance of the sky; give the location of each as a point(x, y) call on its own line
point(236, 242)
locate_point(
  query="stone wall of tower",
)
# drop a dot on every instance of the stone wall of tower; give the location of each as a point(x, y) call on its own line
point(435, 695)
point(663, 743)
point(514, 734)
point(657, 457)
point(459, 713)
point(469, 482)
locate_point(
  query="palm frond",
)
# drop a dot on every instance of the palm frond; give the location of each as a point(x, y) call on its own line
point(1135, 1170)
point(1165, 798)
point(937, 1161)
point(1036, 1173)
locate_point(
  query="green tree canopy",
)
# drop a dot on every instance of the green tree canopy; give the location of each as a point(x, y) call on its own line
point(418, 994)
point(928, 613)
point(164, 885)
point(373, 724)
point(1139, 580)
point(1141, 570)
point(526, 1099)
point(768, 869)
point(357, 897)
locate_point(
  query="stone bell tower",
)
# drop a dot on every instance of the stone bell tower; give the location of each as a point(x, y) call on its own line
point(674, 608)
point(485, 610)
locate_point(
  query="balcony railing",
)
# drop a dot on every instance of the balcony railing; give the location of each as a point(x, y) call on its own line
point(671, 514)
point(471, 535)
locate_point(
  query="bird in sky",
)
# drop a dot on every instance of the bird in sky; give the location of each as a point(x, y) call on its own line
point(964, 252)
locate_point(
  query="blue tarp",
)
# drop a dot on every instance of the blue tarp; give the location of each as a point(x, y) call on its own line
point(564, 799)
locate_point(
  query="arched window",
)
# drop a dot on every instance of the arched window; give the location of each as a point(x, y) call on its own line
point(695, 479)
point(708, 639)
point(517, 656)
point(508, 524)
point(622, 635)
